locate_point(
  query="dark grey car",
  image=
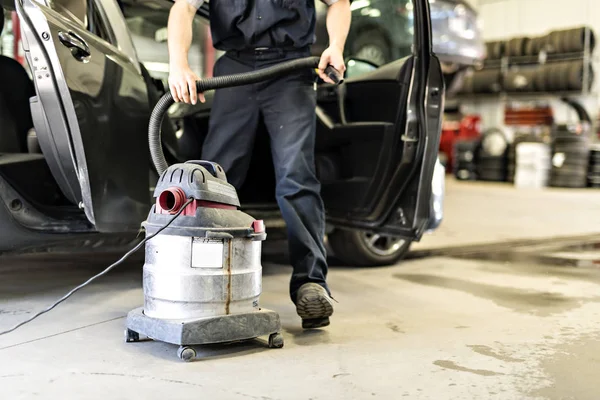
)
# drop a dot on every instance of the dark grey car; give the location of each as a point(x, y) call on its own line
point(75, 168)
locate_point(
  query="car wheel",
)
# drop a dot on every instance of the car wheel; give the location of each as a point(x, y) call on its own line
point(366, 249)
point(372, 46)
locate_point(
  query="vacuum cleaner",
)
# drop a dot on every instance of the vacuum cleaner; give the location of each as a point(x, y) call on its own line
point(202, 275)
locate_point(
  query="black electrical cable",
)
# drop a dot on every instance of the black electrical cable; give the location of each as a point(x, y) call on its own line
point(107, 270)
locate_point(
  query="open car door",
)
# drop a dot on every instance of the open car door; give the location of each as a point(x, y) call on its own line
point(378, 138)
point(90, 111)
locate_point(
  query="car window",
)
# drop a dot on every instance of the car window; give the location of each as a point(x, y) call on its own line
point(96, 24)
point(84, 12)
point(382, 31)
point(147, 23)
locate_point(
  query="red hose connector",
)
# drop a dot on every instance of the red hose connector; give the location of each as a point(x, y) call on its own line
point(171, 200)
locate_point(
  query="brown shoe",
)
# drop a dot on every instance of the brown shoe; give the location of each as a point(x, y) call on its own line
point(314, 306)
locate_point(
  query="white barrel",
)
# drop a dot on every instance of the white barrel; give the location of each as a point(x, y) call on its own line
point(533, 163)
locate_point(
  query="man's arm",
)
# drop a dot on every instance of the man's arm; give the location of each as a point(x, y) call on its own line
point(338, 25)
point(182, 80)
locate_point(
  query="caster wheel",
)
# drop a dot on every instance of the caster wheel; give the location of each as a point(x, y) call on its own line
point(131, 336)
point(276, 341)
point(185, 353)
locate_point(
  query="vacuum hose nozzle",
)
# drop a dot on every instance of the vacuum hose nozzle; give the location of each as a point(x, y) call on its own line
point(172, 199)
point(246, 78)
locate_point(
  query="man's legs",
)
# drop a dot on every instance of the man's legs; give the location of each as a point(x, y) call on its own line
point(288, 105)
point(233, 123)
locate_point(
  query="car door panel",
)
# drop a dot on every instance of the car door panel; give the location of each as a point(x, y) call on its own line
point(97, 110)
point(368, 142)
point(50, 120)
point(383, 181)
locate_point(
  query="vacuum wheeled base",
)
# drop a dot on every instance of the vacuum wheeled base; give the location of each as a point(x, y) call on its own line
point(210, 330)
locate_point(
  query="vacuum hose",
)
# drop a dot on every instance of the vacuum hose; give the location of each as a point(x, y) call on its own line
point(246, 78)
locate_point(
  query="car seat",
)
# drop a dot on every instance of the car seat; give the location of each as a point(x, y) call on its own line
point(15, 115)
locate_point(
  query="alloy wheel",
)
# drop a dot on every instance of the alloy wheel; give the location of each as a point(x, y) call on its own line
point(382, 245)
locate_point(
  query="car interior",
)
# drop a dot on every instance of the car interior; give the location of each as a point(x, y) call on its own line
point(16, 90)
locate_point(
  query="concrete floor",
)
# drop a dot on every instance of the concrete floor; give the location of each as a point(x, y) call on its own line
point(429, 328)
point(486, 212)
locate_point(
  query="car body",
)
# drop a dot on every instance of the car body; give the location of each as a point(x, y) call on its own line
point(85, 174)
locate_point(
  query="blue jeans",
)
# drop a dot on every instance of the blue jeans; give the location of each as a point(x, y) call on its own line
point(287, 105)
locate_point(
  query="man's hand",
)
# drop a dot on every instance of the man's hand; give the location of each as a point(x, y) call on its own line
point(182, 82)
point(334, 56)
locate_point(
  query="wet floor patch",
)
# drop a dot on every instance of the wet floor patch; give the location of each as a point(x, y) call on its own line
point(532, 302)
point(579, 251)
point(489, 352)
point(447, 364)
point(573, 371)
point(567, 253)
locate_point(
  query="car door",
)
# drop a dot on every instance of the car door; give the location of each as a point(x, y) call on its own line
point(377, 141)
point(91, 108)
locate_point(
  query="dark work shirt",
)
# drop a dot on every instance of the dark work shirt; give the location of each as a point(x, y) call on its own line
point(250, 24)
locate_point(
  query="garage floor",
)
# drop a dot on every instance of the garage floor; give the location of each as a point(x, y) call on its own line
point(492, 321)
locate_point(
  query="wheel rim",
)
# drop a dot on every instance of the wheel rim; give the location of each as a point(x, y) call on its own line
point(371, 53)
point(382, 245)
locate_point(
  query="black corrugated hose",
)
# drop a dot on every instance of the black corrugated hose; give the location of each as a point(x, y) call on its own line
point(246, 78)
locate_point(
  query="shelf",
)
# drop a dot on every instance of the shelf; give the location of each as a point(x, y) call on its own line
point(572, 93)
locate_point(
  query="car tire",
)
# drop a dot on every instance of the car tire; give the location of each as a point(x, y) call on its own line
point(372, 46)
point(364, 249)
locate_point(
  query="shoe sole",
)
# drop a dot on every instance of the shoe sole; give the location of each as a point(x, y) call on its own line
point(315, 323)
point(314, 305)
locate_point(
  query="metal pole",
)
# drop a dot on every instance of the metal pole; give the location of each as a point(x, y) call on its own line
point(586, 61)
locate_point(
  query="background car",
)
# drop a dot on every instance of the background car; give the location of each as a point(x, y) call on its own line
point(79, 168)
point(382, 31)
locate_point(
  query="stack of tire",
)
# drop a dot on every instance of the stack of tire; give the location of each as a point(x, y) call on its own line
point(570, 156)
point(565, 41)
point(522, 79)
point(491, 156)
point(464, 159)
point(512, 152)
point(515, 47)
point(487, 80)
point(551, 76)
point(563, 76)
point(495, 50)
point(594, 167)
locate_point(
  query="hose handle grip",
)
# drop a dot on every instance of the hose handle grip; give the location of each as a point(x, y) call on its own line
point(336, 76)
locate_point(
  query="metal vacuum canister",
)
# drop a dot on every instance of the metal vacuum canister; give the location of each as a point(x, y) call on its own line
point(208, 261)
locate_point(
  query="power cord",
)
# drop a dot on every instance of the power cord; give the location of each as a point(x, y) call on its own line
point(107, 270)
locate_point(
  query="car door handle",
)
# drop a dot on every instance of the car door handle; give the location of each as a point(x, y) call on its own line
point(78, 46)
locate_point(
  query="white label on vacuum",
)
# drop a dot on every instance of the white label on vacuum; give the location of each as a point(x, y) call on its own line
point(207, 253)
point(217, 187)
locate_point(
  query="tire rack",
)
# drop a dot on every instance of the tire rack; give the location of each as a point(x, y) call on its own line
point(491, 79)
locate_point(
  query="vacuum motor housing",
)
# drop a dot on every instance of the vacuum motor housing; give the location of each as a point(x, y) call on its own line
point(207, 263)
